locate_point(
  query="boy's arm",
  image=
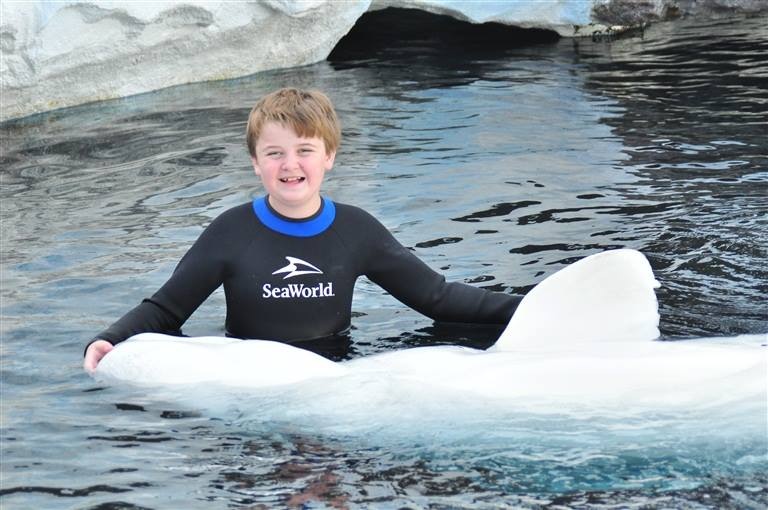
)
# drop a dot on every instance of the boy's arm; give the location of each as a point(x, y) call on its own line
point(148, 316)
point(197, 275)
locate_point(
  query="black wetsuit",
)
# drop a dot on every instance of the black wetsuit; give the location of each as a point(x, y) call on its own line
point(292, 280)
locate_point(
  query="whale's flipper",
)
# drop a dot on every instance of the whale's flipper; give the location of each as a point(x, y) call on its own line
point(608, 296)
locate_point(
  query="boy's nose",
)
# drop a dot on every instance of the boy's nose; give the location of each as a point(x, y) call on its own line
point(290, 161)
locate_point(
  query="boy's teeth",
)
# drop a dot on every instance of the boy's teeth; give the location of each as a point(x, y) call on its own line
point(292, 179)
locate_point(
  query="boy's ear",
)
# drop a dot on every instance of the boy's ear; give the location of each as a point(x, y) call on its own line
point(329, 159)
point(255, 164)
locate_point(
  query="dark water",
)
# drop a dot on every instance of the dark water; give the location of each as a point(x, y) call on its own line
point(497, 166)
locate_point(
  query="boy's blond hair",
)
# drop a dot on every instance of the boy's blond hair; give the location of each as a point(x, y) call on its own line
point(309, 113)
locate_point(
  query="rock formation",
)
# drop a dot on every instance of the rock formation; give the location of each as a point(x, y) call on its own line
point(59, 54)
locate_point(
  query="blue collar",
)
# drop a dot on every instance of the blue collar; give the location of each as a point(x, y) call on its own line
point(308, 227)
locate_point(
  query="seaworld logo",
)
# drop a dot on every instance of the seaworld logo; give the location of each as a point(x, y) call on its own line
point(293, 268)
point(297, 267)
point(298, 290)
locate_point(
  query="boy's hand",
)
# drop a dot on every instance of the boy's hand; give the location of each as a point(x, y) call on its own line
point(94, 353)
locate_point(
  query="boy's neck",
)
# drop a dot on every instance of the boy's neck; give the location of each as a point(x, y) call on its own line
point(298, 212)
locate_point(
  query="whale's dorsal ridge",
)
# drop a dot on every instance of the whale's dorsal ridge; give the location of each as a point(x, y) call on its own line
point(605, 297)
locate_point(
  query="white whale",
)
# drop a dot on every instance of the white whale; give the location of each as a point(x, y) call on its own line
point(583, 340)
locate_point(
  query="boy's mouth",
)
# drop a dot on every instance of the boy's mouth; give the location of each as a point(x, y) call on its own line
point(290, 180)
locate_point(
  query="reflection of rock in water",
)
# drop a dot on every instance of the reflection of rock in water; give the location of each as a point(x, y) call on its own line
point(280, 470)
point(291, 470)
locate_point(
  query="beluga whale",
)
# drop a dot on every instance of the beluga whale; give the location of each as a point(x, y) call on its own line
point(583, 342)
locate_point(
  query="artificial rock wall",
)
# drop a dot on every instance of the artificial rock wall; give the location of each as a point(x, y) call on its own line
point(56, 53)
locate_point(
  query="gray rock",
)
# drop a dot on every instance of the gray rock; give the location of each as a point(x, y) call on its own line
point(62, 54)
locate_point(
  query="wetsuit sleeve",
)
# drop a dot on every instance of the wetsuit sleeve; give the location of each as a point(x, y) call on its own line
point(198, 274)
point(149, 316)
point(411, 281)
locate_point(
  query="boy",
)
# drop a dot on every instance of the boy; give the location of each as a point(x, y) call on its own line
point(289, 260)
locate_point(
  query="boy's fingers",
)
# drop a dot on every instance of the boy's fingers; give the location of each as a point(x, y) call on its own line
point(95, 353)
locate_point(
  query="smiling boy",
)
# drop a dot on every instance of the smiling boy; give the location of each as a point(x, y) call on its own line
point(289, 260)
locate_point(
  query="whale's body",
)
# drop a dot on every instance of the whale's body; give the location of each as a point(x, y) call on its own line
point(583, 339)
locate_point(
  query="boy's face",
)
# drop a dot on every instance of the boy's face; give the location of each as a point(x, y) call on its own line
point(292, 169)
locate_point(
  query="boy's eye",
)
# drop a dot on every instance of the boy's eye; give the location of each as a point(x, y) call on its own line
point(272, 154)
